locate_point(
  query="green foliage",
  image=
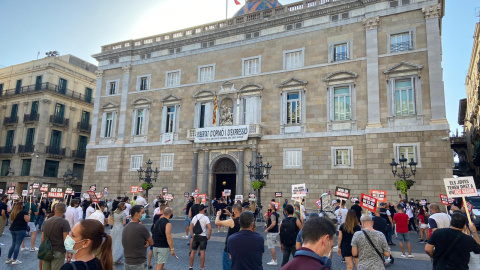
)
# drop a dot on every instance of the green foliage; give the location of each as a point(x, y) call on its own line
point(258, 184)
point(146, 186)
point(404, 185)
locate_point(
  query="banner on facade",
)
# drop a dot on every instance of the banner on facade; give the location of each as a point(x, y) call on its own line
point(368, 202)
point(299, 190)
point(55, 193)
point(221, 134)
point(380, 195)
point(444, 199)
point(278, 194)
point(44, 188)
point(460, 187)
point(342, 192)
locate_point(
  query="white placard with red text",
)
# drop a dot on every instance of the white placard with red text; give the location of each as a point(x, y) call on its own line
point(460, 187)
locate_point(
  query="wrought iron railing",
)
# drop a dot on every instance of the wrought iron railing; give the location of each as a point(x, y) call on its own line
point(26, 148)
point(31, 117)
point(47, 87)
point(84, 126)
point(59, 120)
point(79, 154)
point(55, 150)
point(10, 120)
point(400, 47)
point(8, 149)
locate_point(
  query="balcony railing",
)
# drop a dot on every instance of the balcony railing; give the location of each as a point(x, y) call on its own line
point(84, 126)
point(8, 149)
point(26, 148)
point(47, 87)
point(59, 120)
point(79, 154)
point(340, 56)
point(31, 117)
point(400, 47)
point(10, 120)
point(54, 150)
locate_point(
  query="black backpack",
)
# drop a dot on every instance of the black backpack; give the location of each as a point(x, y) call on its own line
point(197, 228)
point(289, 231)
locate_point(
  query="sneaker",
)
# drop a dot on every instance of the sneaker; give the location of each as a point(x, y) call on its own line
point(421, 241)
point(8, 261)
point(23, 249)
point(150, 267)
point(185, 236)
point(34, 249)
point(410, 256)
point(335, 247)
point(272, 262)
point(403, 256)
point(17, 262)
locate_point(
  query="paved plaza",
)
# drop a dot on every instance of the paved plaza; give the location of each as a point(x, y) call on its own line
point(215, 248)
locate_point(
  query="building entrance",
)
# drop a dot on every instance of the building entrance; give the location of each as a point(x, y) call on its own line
point(225, 177)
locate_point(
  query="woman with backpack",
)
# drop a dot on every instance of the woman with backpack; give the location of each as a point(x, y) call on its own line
point(345, 235)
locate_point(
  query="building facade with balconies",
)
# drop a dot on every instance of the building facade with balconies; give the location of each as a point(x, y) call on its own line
point(45, 120)
point(327, 91)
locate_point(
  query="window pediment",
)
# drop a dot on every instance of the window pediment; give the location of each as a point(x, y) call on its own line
point(109, 105)
point(204, 95)
point(250, 87)
point(141, 102)
point(227, 86)
point(403, 67)
point(292, 82)
point(170, 99)
point(342, 75)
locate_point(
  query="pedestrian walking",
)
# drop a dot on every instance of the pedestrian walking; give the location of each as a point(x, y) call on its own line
point(272, 232)
point(98, 214)
point(86, 237)
point(221, 206)
point(370, 246)
point(246, 247)
point(135, 240)
point(423, 224)
point(450, 248)
point(119, 221)
point(387, 216)
point(318, 238)
point(233, 226)
point(56, 230)
point(33, 210)
point(358, 210)
point(401, 221)
point(341, 214)
point(18, 228)
point(410, 211)
point(187, 219)
point(200, 223)
point(3, 213)
point(437, 219)
point(345, 235)
point(162, 239)
point(288, 231)
point(42, 212)
point(71, 215)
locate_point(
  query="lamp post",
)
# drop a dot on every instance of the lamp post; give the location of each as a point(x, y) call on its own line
point(259, 171)
point(404, 174)
point(69, 178)
point(148, 177)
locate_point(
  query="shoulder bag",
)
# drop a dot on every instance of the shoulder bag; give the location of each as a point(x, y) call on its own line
point(45, 250)
point(371, 244)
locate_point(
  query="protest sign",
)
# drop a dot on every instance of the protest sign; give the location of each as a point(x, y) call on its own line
point(239, 198)
point(24, 193)
point(251, 195)
point(36, 185)
point(140, 189)
point(368, 202)
point(11, 190)
point(469, 207)
point(93, 196)
point(69, 191)
point(196, 190)
point(444, 199)
point(85, 196)
point(326, 206)
point(168, 197)
point(342, 192)
point(30, 190)
point(278, 194)
point(227, 192)
point(93, 187)
point(277, 205)
point(299, 190)
point(423, 202)
point(15, 196)
point(195, 194)
point(133, 189)
point(354, 199)
point(186, 194)
point(460, 187)
point(380, 195)
point(203, 196)
point(44, 188)
point(55, 193)
point(1, 191)
point(164, 190)
point(105, 192)
point(319, 203)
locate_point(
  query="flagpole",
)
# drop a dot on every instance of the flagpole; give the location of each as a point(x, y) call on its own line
point(226, 9)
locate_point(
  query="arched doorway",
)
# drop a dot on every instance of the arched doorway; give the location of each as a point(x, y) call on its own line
point(224, 177)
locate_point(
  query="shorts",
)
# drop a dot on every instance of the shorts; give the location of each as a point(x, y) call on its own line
point(199, 241)
point(161, 255)
point(32, 226)
point(403, 237)
point(187, 221)
point(272, 238)
point(423, 226)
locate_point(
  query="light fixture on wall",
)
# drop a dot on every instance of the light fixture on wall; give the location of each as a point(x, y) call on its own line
point(224, 183)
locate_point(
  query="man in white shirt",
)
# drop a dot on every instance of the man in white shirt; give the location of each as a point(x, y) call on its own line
point(141, 200)
point(200, 240)
point(71, 215)
point(89, 211)
point(128, 206)
point(98, 214)
point(304, 211)
point(79, 211)
point(341, 214)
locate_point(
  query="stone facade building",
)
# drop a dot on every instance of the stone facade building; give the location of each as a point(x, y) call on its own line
point(330, 91)
point(45, 120)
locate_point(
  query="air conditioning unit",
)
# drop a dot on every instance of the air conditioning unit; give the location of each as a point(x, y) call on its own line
point(334, 18)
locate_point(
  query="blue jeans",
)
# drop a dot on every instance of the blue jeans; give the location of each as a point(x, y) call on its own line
point(226, 261)
point(17, 238)
point(39, 222)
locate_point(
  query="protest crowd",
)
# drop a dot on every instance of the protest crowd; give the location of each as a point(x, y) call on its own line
point(93, 232)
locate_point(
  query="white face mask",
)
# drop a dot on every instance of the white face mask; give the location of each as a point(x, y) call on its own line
point(69, 244)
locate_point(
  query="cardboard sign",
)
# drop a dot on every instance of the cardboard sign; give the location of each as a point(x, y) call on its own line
point(227, 192)
point(24, 193)
point(451, 200)
point(69, 191)
point(134, 189)
point(186, 195)
point(44, 188)
point(105, 192)
point(93, 196)
point(342, 192)
point(380, 195)
point(203, 196)
point(319, 203)
point(299, 190)
point(326, 200)
point(444, 199)
point(239, 198)
point(164, 190)
point(251, 195)
point(168, 197)
point(30, 190)
point(354, 199)
point(460, 187)
point(93, 187)
point(423, 202)
point(15, 197)
point(1, 191)
point(55, 193)
point(277, 205)
point(469, 207)
point(278, 194)
point(140, 189)
point(368, 202)
point(36, 185)
point(11, 190)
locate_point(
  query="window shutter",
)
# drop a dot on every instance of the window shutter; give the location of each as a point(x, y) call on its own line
point(146, 114)
point(177, 117)
point(391, 87)
point(413, 95)
point(114, 125)
point(283, 111)
point(350, 87)
point(134, 121)
point(197, 115)
point(209, 114)
point(104, 122)
point(410, 33)
point(302, 102)
point(164, 119)
point(348, 51)
point(258, 113)
point(249, 107)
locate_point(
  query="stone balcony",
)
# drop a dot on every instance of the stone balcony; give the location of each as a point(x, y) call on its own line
point(254, 131)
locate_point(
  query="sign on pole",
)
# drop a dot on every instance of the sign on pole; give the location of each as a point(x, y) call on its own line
point(278, 194)
point(239, 198)
point(24, 193)
point(93, 187)
point(460, 187)
point(36, 185)
point(196, 190)
point(164, 190)
point(326, 203)
point(444, 199)
point(186, 194)
point(55, 193)
point(93, 196)
point(319, 203)
point(354, 199)
point(195, 194)
point(11, 190)
point(133, 189)
point(69, 191)
point(168, 197)
point(44, 188)
point(342, 192)
point(423, 202)
point(85, 196)
point(15, 196)
point(368, 202)
point(380, 195)
point(277, 205)
point(1, 191)
point(299, 190)
point(227, 192)
point(203, 196)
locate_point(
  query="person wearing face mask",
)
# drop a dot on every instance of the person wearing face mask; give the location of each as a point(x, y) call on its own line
point(162, 239)
point(119, 221)
point(86, 237)
point(135, 240)
point(318, 238)
point(233, 225)
point(56, 230)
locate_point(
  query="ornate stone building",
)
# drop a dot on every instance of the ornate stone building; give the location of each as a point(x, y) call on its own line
point(45, 120)
point(329, 91)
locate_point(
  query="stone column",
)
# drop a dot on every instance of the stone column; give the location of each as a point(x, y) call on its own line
point(373, 91)
point(96, 106)
point(206, 161)
point(241, 170)
point(435, 71)
point(123, 105)
point(193, 184)
point(69, 142)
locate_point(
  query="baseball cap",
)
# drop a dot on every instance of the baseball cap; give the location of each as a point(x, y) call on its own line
point(334, 202)
point(201, 207)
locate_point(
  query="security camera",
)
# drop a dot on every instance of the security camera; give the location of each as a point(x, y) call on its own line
point(445, 138)
point(36, 156)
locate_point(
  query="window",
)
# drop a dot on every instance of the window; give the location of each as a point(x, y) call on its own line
point(252, 35)
point(51, 168)
point(56, 140)
point(139, 122)
point(145, 56)
point(85, 120)
point(102, 162)
point(29, 142)
point(409, 151)
point(112, 88)
point(1, 89)
point(342, 16)
point(404, 97)
point(143, 83)
point(208, 44)
point(136, 162)
point(340, 52)
point(113, 61)
point(59, 112)
point(173, 78)
point(5, 167)
point(38, 83)
point(166, 162)
point(88, 94)
point(14, 111)
point(341, 103)
point(82, 146)
point(62, 86)
point(293, 26)
point(401, 42)
point(108, 124)
point(292, 158)
point(170, 122)
point(206, 73)
point(293, 59)
point(9, 140)
point(18, 87)
point(252, 65)
point(175, 50)
point(34, 108)
point(342, 157)
point(26, 164)
point(293, 108)
point(251, 108)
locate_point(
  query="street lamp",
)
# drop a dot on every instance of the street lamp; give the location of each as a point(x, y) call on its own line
point(259, 171)
point(69, 178)
point(148, 177)
point(404, 174)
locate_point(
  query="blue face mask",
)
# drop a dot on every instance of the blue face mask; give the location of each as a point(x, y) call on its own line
point(144, 215)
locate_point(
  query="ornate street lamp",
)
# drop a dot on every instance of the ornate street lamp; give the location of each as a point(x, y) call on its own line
point(404, 184)
point(69, 178)
point(259, 171)
point(148, 177)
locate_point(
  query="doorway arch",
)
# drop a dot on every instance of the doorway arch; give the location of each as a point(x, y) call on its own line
point(224, 176)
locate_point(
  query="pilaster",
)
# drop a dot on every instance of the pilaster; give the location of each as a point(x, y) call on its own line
point(241, 170)
point(193, 183)
point(123, 104)
point(96, 106)
point(206, 162)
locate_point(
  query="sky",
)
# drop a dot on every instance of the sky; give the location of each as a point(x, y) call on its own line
point(82, 27)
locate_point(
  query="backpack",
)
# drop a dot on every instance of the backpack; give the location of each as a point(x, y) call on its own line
point(289, 231)
point(197, 228)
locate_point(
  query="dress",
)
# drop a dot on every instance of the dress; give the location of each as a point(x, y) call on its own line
point(116, 234)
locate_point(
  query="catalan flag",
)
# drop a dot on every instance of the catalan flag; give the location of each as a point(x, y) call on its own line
point(215, 107)
point(237, 3)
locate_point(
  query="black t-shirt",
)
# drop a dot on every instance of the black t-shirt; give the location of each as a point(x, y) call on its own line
point(273, 217)
point(3, 206)
point(221, 206)
point(42, 206)
point(357, 209)
point(195, 210)
point(383, 214)
point(379, 224)
point(115, 205)
point(236, 228)
point(93, 264)
point(19, 224)
point(346, 236)
point(459, 255)
point(159, 236)
point(187, 208)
